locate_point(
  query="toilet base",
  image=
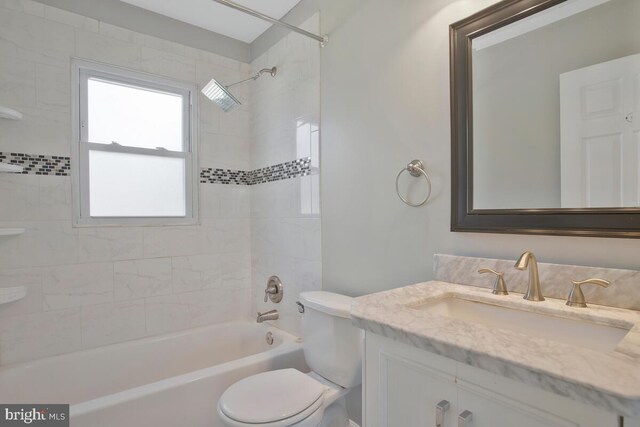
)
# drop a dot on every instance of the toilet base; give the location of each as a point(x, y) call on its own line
point(335, 415)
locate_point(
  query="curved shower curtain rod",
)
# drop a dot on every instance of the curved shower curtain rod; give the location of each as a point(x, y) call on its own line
point(322, 39)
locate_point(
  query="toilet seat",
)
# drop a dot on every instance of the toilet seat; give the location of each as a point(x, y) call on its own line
point(272, 399)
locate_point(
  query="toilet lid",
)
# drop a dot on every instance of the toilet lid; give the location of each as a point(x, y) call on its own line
point(270, 396)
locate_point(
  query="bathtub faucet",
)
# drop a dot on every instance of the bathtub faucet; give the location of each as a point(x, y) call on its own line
point(269, 315)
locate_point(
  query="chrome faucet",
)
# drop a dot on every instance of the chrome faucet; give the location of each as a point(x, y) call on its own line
point(528, 259)
point(269, 315)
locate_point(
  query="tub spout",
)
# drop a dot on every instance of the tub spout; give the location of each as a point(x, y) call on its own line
point(269, 315)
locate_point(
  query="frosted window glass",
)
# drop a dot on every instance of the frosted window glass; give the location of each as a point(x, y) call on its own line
point(134, 117)
point(133, 185)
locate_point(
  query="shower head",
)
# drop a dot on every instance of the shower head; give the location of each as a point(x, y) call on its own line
point(220, 94)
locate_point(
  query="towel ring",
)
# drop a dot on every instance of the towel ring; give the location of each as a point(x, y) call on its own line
point(415, 168)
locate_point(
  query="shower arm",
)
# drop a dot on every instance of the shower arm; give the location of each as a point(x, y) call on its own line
point(271, 71)
point(242, 81)
point(322, 39)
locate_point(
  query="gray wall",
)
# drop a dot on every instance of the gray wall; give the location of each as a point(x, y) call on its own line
point(517, 102)
point(385, 101)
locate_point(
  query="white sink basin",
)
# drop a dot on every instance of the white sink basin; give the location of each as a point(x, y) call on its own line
point(568, 331)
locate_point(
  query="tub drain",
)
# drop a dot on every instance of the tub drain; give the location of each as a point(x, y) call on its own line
point(269, 338)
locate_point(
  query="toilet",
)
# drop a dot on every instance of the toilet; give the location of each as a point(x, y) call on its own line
point(290, 398)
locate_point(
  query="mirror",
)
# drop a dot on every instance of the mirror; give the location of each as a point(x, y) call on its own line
point(546, 118)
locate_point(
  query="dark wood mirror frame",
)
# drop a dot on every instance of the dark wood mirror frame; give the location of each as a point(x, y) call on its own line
point(599, 222)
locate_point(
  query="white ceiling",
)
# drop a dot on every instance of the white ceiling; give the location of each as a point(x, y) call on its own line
point(220, 19)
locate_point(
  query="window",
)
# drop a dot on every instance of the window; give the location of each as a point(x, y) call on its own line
point(134, 148)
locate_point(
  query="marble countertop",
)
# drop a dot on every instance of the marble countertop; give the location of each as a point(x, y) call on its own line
point(609, 380)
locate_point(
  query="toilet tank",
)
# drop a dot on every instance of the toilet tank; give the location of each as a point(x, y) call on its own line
point(332, 345)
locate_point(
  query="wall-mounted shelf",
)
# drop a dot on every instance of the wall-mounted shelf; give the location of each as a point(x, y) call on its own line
point(12, 231)
point(9, 113)
point(8, 295)
point(7, 167)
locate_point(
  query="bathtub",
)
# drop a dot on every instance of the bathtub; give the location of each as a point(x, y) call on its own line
point(170, 380)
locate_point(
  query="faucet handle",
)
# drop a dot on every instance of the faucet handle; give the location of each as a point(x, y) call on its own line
point(273, 290)
point(499, 287)
point(269, 291)
point(576, 297)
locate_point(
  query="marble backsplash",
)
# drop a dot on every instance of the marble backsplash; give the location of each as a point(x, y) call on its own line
point(555, 279)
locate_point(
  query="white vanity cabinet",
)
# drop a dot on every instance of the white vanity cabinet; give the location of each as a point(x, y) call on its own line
point(403, 386)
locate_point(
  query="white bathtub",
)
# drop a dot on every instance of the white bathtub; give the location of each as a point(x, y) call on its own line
point(170, 380)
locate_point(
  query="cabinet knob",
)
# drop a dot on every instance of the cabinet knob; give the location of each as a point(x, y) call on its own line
point(442, 407)
point(464, 419)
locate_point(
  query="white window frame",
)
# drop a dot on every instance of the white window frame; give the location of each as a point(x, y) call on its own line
point(82, 72)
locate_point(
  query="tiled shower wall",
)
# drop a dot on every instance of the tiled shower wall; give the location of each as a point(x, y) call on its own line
point(94, 286)
point(285, 214)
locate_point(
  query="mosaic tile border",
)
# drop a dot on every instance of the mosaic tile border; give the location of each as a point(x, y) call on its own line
point(38, 164)
point(223, 176)
point(287, 170)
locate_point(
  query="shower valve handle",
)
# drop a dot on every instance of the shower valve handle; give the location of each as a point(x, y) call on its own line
point(269, 291)
point(274, 290)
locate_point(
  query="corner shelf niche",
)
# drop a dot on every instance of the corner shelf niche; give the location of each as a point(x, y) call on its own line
point(9, 113)
point(16, 293)
point(12, 231)
point(11, 294)
point(10, 168)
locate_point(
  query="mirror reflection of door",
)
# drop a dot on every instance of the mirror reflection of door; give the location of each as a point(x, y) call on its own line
point(600, 135)
point(519, 160)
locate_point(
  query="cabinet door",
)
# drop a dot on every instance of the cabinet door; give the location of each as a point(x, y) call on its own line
point(401, 391)
point(403, 385)
point(492, 410)
point(412, 393)
point(502, 405)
